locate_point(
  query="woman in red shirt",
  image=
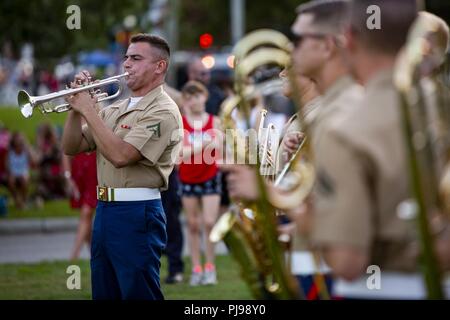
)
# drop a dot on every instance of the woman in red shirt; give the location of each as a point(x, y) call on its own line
point(80, 172)
point(200, 178)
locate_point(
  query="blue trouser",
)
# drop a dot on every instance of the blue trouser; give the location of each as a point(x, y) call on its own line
point(172, 206)
point(310, 289)
point(127, 241)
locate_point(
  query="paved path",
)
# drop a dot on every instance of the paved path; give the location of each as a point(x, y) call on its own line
point(31, 247)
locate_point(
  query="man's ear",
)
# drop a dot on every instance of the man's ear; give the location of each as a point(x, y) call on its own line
point(162, 67)
point(348, 39)
point(341, 41)
point(330, 46)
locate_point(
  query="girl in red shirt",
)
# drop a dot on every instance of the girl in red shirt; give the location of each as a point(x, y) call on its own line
point(200, 178)
point(80, 172)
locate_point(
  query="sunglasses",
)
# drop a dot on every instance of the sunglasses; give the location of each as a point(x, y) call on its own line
point(297, 39)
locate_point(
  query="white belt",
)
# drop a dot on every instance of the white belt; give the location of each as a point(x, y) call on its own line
point(393, 285)
point(302, 263)
point(127, 194)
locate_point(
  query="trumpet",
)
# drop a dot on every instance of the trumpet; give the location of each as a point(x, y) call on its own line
point(28, 103)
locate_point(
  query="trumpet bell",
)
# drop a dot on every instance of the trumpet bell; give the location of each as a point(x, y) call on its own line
point(25, 103)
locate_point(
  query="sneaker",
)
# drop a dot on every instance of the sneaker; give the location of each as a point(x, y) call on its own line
point(209, 277)
point(196, 279)
point(174, 278)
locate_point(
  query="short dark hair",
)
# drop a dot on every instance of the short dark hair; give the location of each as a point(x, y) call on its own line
point(397, 18)
point(155, 42)
point(329, 15)
point(194, 87)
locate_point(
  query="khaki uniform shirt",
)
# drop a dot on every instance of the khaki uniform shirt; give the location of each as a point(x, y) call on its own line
point(362, 177)
point(154, 127)
point(337, 102)
point(344, 95)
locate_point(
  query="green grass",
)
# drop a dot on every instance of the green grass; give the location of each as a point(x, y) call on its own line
point(47, 280)
point(14, 121)
point(51, 209)
point(11, 117)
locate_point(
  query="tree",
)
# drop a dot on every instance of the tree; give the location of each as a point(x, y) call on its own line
point(43, 23)
point(200, 16)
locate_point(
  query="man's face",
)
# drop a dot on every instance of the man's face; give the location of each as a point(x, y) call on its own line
point(198, 72)
point(143, 64)
point(309, 49)
point(302, 83)
point(287, 88)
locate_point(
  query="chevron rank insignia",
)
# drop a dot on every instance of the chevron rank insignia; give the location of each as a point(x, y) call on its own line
point(156, 129)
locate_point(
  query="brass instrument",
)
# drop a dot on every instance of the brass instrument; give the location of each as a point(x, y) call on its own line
point(423, 173)
point(267, 146)
point(296, 179)
point(249, 230)
point(244, 250)
point(28, 103)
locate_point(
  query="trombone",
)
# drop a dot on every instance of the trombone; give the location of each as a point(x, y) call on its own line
point(28, 103)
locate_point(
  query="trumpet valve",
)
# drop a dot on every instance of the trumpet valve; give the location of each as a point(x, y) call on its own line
point(101, 95)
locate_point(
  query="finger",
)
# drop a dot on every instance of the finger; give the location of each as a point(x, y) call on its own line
point(82, 77)
point(288, 141)
point(290, 146)
point(290, 151)
point(296, 134)
point(294, 140)
point(69, 98)
point(227, 167)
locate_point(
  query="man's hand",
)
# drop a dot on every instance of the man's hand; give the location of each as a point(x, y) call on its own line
point(241, 182)
point(81, 78)
point(291, 142)
point(72, 189)
point(83, 101)
point(302, 216)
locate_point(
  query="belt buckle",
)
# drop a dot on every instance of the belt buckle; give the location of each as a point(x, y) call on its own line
point(102, 193)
